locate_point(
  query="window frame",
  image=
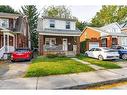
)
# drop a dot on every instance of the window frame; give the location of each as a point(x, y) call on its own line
point(68, 25)
point(6, 23)
point(50, 41)
point(52, 23)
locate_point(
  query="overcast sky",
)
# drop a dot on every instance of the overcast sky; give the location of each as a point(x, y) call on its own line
point(82, 12)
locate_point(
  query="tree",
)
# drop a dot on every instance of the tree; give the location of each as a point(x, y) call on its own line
point(7, 9)
point(81, 25)
point(109, 14)
point(57, 11)
point(31, 12)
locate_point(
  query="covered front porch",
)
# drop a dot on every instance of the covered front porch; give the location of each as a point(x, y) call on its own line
point(7, 42)
point(63, 45)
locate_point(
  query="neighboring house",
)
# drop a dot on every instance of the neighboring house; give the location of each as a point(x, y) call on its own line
point(13, 32)
point(124, 27)
point(91, 37)
point(108, 36)
point(58, 36)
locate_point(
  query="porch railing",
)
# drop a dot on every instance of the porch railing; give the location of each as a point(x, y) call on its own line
point(53, 47)
point(6, 49)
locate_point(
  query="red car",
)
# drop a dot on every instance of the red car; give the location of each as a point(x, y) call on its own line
point(21, 54)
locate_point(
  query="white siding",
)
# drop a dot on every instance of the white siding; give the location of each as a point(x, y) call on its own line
point(59, 24)
point(104, 34)
point(112, 28)
point(122, 41)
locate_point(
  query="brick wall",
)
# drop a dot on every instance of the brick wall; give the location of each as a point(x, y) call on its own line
point(41, 43)
point(21, 41)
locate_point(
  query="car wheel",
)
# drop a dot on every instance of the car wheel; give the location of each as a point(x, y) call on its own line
point(100, 57)
point(86, 54)
point(124, 56)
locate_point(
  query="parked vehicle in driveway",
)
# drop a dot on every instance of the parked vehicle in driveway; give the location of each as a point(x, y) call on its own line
point(102, 53)
point(122, 51)
point(21, 54)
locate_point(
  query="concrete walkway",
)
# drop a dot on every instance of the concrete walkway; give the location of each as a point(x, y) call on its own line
point(65, 81)
point(91, 65)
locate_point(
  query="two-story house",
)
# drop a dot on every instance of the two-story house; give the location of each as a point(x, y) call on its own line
point(58, 36)
point(13, 32)
point(107, 36)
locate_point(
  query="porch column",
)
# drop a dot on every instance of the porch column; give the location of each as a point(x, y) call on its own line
point(5, 42)
point(78, 45)
point(109, 41)
point(1, 41)
point(14, 41)
point(8, 43)
point(41, 43)
point(4, 39)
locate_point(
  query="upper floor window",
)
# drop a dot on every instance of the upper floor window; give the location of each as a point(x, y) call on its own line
point(52, 23)
point(4, 23)
point(67, 25)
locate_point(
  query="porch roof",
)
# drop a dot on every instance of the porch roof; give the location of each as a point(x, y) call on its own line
point(9, 15)
point(4, 30)
point(114, 34)
point(60, 32)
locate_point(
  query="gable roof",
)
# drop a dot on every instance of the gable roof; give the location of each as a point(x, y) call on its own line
point(93, 28)
point(115, 24)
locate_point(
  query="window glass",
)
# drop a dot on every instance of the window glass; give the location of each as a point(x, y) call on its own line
point(104, 42)
point(4, 23)
point(50, 41)
point(91, 49)
point(47, 41)
point(52, 23)
point(97, 49)
point(67, 25)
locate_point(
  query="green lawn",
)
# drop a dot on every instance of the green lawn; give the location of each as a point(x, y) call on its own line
point(105, 64)
point(43, 66)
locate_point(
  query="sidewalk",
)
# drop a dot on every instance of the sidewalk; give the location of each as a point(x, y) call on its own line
point(67, 81)
point(91, 65)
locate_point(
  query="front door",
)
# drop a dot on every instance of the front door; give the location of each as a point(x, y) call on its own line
point(65, 44)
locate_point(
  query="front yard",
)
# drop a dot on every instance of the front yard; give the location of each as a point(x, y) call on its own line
point(105, 64)
point(43, 66)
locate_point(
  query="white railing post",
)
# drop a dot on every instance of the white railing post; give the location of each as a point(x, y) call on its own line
point(14, 41)
point(8, 43)
point(4, 39)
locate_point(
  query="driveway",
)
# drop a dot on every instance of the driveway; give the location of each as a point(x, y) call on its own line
point(13, 70)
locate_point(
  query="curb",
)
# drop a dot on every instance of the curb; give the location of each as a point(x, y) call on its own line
point(84, 86)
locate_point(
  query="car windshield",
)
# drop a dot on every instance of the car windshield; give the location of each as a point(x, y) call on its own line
point(22, 50)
